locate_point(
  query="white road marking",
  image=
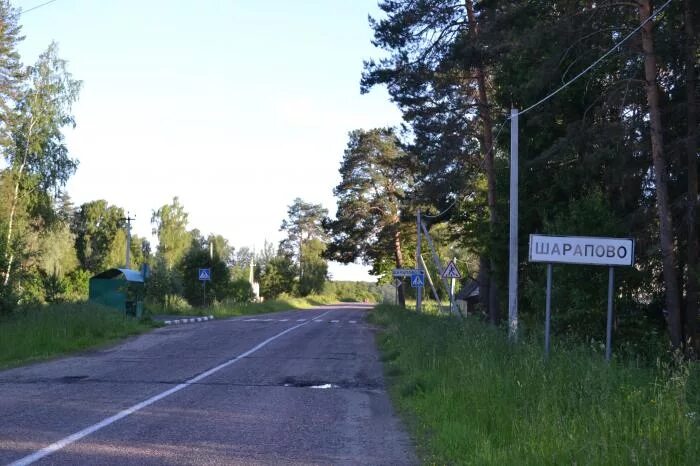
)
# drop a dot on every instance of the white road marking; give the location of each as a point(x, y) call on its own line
point(267, 320)
point(54, 447)
point(251, 320)
point(353, 321)
point(301, 320)
point(318, 320)
point(334, 321)
point(284, 320)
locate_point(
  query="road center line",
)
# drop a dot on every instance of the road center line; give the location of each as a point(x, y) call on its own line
point(54, 447)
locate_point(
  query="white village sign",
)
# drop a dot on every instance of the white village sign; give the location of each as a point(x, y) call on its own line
point(587, 250)
point(581, 250)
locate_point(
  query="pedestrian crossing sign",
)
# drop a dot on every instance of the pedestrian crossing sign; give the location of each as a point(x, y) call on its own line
point(417, 279)
point(451, 271)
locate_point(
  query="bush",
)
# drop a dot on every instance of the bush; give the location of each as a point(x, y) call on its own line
point(241, 291)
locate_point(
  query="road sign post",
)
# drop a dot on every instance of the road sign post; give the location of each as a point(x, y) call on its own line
point(397, 284)
point(451, 272)
point(204, 277)
point(419, 289)
point(585, 250)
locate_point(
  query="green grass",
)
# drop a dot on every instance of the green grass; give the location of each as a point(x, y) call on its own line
point(36, 333)
point(471, 398)
point(284, 303)
point(231, 309)
point(41, 332)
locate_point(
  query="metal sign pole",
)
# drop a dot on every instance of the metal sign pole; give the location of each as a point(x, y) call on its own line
point(419, 290)
point(204, 293)
point(608, 336)
point(430, 282)
point(548, 311)
point(436, 258)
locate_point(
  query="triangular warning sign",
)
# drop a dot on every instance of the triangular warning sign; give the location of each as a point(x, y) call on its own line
point(451, 271)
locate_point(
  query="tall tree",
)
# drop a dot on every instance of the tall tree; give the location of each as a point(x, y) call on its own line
point(100, 241)
point(220, 247)
point(199, 255)
point(277, 277)
point(668, 254)
point(315, 267)
point(11, 73)
point(376, 175)
point(38, 158)
point(304, 222)
point(170, 225)
point(691, 147)
point(438, 73)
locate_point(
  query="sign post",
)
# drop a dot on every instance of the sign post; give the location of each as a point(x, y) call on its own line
point(584, 250)
point(397, 284)
point(451, 272)
point(204, 277)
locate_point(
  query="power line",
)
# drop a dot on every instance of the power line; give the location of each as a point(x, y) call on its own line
point(595, 63)
point(561, 88)
point(36, 7)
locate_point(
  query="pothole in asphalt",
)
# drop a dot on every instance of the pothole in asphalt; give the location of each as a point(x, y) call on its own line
point(318, 384)
point(325, 385)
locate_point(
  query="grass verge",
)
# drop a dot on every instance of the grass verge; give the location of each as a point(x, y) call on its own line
point(471, 398)
point(41, 332)
point(231, 309)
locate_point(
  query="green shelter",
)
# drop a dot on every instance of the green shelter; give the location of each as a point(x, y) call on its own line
point(121, 289)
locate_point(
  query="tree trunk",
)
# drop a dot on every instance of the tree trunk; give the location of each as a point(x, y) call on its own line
point(398, 257)
point(660, 178)
point(490, 290)
point(484, 285)
point(691, 307)
point(9, 255)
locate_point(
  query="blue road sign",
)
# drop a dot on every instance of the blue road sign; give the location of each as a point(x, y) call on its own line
point(417, 279)
point(205, 275)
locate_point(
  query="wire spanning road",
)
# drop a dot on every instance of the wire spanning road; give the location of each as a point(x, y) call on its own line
point(299, 387)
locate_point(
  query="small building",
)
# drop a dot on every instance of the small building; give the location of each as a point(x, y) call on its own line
point(468, 297)
point(121, 289)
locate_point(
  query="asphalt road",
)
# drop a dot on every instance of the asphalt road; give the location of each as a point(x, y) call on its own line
point(298, 387)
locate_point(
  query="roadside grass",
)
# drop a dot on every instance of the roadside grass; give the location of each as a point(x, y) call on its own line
point(40, 332)
point(471, 398)
point(233, 309)
point(283, 303)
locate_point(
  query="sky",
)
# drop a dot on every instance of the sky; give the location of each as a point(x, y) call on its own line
point(237, 107)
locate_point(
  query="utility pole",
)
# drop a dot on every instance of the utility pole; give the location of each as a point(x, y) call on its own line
point(128, 220)
point(513, 249)
point(419, 290)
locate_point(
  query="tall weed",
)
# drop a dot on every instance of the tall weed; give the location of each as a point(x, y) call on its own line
point(473, 398)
